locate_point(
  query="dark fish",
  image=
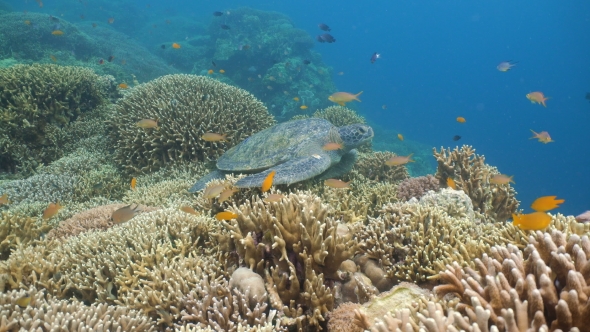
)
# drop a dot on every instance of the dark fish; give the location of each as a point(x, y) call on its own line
point(163, 47)
point(217, 13)
point(456, 138)
point(213, 63)
point(375, 57)
point(324, 27)
point(326, 38)
point(101, 61)
point(306, 62)
point(53, 18)
point(110, 58)
point(224, 27)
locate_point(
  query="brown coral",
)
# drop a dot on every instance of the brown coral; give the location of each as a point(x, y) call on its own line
point(372, 166)
point(416, 187)
point(186, 106)
point(18, 230)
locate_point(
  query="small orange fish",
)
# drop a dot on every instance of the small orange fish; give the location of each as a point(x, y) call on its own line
point(124, 214)
point(537, 97)
point(213, 191)
point(226, 194)
point(501, 179)
point(271, 198)
point(4, 199)
point(210, 71)
point(123, 86)
point(57, 32)
point(543, 137)
point(226, 215)
point(213, 137)
point(189, 210)
point(296, 98)
point(24, 301)
point(147, 123)
point(53, 58)
point(111, 20)
point(338, 184)
point(332, 146)
point(51, 210)
point(546, 203)
point(303, 107)
point(133, 183)
point(27, 22)
point(341, 98)
point(272, 78)
point(267, 183)
point(531, 222)
point(400, 137)
point(221, 71)
point(451, 183)
point(176, 45)
point(399, 160)
point(461, 119)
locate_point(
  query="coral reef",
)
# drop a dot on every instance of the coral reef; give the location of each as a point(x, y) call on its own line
point(472, 175)
point(416, 187)
point(372, 166)
point(186, 107)
point(37, 100)
point(339, 116)
point(16, 230)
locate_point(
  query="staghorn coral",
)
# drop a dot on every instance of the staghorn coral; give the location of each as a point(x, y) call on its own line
point(372, 166)
point(186, 106)
point(33, 100)
point(472, 175)
point(540, 287)
point(416, 187)
point(18, 230)
point(45, 313)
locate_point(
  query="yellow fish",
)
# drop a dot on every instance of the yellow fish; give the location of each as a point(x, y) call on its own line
point(543, 137)
point(451, 184)
point(226, 194)
point(57, 32)
point(226, 215)
point(400, 137)
point(189, 210)
point(214, 137)
point(147, 123)
point(51, 210)
point(399, 160)
point(210, 71)
point(24, 301)
point(338, 184)
point(546, 203)
point(273, 198)
point(267, 183)
point(303, 107)
point(133, 183)
point(332, 146)
point(221, 71)
point(537, 97)
point(124, 214)
point(296, 98)
point(531, 222)
point(53, 58)
point(501, 179)
point(4, 199)
point(341, 98)
point(213, 191)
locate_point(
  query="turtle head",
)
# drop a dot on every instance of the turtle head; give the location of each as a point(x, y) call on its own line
point(355, 135)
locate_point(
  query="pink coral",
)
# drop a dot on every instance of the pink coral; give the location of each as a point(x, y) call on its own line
point(416, 187)
point(584, 217)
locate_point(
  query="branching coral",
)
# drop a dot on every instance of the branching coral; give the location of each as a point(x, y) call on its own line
point(416, 187)
point(186, 107)
point(18, 230)
point(472, 175)
point(339, 116)
point(372, 166)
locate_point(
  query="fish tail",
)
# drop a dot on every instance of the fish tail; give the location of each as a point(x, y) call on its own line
point(356, 97)
point(534, 133)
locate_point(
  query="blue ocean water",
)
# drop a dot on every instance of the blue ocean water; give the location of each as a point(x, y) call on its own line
point(438, 61)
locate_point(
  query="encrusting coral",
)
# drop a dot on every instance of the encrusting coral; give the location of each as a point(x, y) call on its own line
point(416, 187)
point(471, 174)
point(185, 107)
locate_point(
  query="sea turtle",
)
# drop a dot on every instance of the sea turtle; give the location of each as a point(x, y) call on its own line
point(294, 149)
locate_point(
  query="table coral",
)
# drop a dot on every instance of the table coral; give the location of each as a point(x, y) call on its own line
point(186, 107)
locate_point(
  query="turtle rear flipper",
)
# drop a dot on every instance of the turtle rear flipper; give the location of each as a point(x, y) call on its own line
point(292, 171)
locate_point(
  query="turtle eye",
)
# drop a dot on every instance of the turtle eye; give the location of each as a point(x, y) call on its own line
point(362, 130)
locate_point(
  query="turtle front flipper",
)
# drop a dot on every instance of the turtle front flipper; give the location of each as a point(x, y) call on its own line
point(344, 166)
point(200, 185)
point(292, 171)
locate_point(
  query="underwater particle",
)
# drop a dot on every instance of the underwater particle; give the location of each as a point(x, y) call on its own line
point(384, 107)
point(303, 107)
point(57, 32)
point(537, 97)
point(111, 20)
point(94, 25)
point(267, 183)
point(123, 86)
point(546, 203)
point(584, 217)
point(4, 199)
point(296, 98)
point(451, 183)
point(167, 21)
point(81, 16)
point(189, 210)
point(147, 123)
point(213, 191)
point(306, 62)
point(101, 61)
point(331, 146)
point(531, 222)
point(399, 160)
point(24, 300)
point(543, 137)
point(400, 137)
point(217, 13)
point(133, 183)
point(52, 57)
point(341, 73)
point(27, 22)
point(501, 179)
point(269, 87)
point(505, 66)
point(244, 47)
point(272, 198)
point(53, 19)
point(375, 56)
point(224, 27)
point(51, 210)
point(214, 137)
point(40, 3)
point(176, 45)
point(272, 78)
point(110, 58)
point(341, 98)
point(225, 215)
point(226, 194)
point(210, 71)
point(456, 138)
point(461, 119)
point(221, 71)
point(124, 214)
point(338, 184)
point(324, 27)
point(163, 46)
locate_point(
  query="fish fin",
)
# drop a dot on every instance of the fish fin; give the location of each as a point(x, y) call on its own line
point(356, 97)
point(341, 103)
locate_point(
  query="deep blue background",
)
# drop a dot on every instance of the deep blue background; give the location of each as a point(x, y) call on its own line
point(439, 61)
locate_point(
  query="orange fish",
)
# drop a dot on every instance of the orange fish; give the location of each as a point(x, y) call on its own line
point(51, 210)
point(399, 160)
point(221, 71)
point(111, 20)
point(189, 210)
point(332, 146)
point(226, 215)
point(273, 198)
point(124, 214)
point(400, 137)
point(537, 97)
point(461, 119)
point(27, 22)
point(296, 98)
point(24, 301)
point(210, 71)
point(213, 137)
point(267, 183)
point(133, 183)
point(341, 98)
point(546, 203)
point(123, 86)
point(543, 137)
point(4, 199)
point(176, 45)
point(531, 222)
point(451, 183)
point(57, 32)
point(501, 179)
point(303, 107)
point(213, 191)
point(226, 194)
point(147, 123)
point(53, 58)
point(338, 184)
